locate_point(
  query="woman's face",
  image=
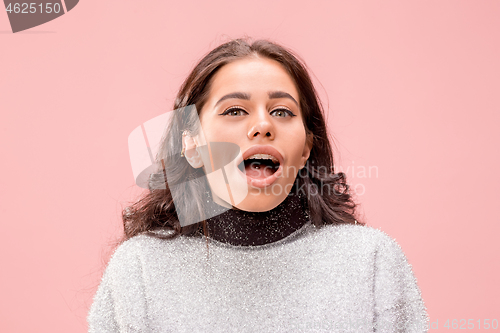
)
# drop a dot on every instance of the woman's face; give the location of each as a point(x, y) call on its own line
point(254, 103)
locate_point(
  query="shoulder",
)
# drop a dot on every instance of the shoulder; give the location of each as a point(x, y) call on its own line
point(355, 240)
point(141, 245)
point(142, 250)
point(133, 247)
point(129, 254)
point(354, 235)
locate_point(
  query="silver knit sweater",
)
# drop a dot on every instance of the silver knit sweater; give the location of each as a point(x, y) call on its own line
point(344, 278)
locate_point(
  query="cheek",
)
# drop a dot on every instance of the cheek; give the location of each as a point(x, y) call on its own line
point(296, 149)
point(220, 132)
point(212, 133)
point(299, 140)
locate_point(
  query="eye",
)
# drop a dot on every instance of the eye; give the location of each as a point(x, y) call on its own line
point(234, 111)
point(283, 112)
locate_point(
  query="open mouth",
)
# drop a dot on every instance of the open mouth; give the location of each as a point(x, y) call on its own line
point(262, 165)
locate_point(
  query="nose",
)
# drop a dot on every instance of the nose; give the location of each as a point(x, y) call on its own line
point(262, 127)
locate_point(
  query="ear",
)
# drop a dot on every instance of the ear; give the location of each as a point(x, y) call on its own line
point(191, 152)
point(307, 148)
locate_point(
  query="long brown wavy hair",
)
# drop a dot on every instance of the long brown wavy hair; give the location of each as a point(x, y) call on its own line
point(329, 199)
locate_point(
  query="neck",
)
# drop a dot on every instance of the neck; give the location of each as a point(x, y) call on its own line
point(239, 227)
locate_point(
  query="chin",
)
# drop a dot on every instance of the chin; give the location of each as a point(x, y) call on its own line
point(260, 202)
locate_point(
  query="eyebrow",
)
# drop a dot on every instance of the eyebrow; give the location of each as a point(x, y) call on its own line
point(245, 96)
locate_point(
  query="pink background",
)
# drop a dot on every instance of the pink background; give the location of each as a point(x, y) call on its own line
point(412, 89)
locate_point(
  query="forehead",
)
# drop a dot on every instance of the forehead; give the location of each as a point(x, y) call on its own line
point(252, 75)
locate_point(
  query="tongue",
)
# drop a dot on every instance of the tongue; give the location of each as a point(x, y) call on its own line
point(258, 170)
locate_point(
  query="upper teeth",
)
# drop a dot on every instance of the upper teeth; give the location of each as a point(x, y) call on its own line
point(263, 157)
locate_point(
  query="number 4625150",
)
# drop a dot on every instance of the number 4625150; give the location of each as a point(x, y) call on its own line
point(470, 324)
point(32, 7)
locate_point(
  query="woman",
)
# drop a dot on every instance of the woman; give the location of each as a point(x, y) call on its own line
point(249, 229)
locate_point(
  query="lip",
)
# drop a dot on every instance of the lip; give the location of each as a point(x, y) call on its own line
point(262, 149)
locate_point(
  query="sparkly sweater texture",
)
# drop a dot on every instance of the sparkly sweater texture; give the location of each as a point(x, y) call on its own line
point(337, 278)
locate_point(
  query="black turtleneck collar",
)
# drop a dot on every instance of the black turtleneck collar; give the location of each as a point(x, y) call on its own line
point(239, 227)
